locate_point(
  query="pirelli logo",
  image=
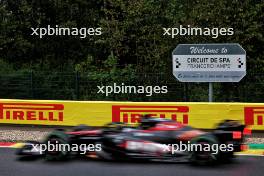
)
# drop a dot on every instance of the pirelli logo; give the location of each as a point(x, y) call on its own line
point(30, 111)
point(253, 115)
point(132, 114)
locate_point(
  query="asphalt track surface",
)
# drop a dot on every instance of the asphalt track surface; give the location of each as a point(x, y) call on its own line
point(10, 166)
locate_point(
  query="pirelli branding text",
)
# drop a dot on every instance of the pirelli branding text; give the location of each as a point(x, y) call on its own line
point(253, 115)
point(31, 112)
point(132, 114)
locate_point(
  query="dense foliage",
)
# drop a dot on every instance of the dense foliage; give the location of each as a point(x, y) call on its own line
point(132, 41)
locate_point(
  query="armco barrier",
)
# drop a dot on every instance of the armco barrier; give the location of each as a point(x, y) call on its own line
point(95, 113)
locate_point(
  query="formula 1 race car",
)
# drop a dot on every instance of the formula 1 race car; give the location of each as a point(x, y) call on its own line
point(154, 139)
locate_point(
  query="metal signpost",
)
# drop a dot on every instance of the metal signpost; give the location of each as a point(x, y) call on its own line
point(209, 63)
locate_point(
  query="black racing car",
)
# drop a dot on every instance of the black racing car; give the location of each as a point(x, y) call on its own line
point(154, 139)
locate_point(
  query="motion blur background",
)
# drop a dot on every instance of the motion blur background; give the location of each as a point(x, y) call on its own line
point(131, 50)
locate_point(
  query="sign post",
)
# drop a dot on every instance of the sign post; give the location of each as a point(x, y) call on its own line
point(209, 63)
point(210, 92)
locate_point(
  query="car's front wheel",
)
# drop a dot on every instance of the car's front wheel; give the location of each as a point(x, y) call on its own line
point(57, 146)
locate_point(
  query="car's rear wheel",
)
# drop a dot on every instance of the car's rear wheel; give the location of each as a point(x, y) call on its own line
point(204, 156)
